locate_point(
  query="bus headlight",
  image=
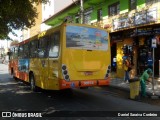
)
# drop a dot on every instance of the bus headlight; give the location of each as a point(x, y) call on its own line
point(65, 72)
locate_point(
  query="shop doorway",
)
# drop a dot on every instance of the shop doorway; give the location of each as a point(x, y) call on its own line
point(142, 64)
point(142, 59)
point(113, 57)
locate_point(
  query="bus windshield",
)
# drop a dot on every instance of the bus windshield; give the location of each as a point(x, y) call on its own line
point(79, 37)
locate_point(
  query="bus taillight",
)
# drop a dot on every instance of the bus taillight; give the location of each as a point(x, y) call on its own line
point(108, 71)
point(65, 72)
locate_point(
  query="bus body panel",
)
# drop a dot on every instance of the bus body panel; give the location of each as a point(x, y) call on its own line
point(85, 67)
point(53, 76)
point(86, 64)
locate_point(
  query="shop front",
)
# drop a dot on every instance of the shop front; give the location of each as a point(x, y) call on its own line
point(132, 34)
point(137, 43)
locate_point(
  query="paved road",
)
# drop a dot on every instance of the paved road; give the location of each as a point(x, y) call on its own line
point(16, 96)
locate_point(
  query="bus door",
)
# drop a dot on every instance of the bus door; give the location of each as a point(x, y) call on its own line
point(54, 48)
point(43, 62)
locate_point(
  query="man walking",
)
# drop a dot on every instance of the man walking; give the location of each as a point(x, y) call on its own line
point(145, 77)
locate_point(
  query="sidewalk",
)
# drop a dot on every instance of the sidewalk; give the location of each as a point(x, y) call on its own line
point(120, 84)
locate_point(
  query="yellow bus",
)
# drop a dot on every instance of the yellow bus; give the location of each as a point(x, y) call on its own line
point(67, 56)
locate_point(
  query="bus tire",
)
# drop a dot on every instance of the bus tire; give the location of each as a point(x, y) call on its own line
point(13, 75)
point(32, 83)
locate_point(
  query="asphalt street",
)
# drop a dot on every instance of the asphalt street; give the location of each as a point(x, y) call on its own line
point(80, 104)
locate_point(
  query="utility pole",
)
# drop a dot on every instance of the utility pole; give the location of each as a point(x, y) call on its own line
point(81, 12)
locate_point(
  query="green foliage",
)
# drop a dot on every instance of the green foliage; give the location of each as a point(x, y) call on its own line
point(17, 14)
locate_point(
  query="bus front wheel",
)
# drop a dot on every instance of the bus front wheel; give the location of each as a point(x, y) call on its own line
point(32, 83)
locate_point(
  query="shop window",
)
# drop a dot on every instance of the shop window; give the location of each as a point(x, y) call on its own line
point(99, 14)
point(77, 19)
point(132, 4)
point(114, 9)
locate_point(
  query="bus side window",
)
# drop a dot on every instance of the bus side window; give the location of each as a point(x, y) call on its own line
point(20, 52)
point(33, 49)
point(42, 48)
point(26, 51)
point(15, 53)
point(54, 45)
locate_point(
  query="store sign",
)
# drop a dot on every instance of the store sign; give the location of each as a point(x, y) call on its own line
point(139, 18)
point(144, 31)
point(156, 30)
point(152, 15)
point(154, 44)
point(123, 22)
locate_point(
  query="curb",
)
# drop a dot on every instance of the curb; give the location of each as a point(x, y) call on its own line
point(128, 90)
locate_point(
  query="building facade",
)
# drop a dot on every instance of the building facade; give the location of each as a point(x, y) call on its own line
point(132, 22)
point(134, 27)
point(36, 29)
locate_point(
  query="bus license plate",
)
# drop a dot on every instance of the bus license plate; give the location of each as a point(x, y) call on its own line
point(88, 73)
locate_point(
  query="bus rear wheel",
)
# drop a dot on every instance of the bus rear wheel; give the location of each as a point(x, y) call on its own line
point(32, 83)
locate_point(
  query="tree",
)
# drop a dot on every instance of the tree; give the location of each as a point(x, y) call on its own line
point(17, 14)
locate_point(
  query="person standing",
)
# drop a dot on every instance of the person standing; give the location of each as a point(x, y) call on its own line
point(145, 77)
point(127, 68)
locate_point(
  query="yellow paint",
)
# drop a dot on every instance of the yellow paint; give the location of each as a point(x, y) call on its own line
point(41, 34)
point(120, 70)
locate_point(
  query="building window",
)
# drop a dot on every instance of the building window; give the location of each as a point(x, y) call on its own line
point(114, 9)
point(87, 19)
point(132, 4)
point(150, 2)
point(44, 7)
point(77, 19)
point(49, 3)
point(99, 14)
point(87, 16)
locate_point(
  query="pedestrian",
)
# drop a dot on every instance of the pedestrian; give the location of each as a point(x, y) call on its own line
point(114, 64)
point(145, 77)
point(127, 68)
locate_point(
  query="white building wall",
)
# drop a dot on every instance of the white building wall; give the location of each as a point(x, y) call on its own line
point(61, 4)
point(51, 8)
point(47, 12)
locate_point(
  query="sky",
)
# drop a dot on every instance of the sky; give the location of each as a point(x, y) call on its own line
point(5, 43)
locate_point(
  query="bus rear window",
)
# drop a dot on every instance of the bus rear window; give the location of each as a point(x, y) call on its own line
point(79, 37)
